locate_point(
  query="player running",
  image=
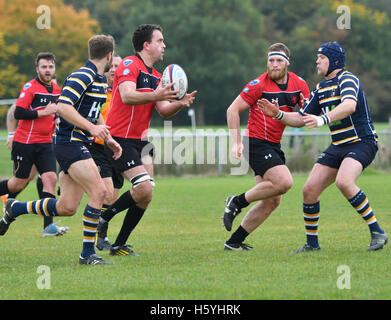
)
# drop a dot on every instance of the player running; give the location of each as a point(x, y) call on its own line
point(262, 145)
point(137, 91)
point(80, 120)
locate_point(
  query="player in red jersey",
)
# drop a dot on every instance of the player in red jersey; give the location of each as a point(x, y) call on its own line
point(137, 90)
point(262, 144)
point(32, 141)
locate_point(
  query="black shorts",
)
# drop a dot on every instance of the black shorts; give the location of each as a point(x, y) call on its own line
point(363, 151)
point(26, 155)
point(106, 170)
point(262, 155)
point(69, 153)
point(132, 152)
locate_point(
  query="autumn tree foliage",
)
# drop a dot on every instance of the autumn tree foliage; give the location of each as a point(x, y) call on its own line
point(29, 27)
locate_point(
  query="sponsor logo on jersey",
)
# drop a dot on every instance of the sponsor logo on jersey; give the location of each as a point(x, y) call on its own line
point(127, 62)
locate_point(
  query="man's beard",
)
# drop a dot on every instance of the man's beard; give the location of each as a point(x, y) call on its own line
point(44, 78)
point(276, 76)
point(107, 67)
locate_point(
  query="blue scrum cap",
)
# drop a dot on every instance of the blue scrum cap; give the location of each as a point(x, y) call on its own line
point(335, 53)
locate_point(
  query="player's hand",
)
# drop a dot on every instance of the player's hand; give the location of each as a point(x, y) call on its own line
point(166, 93)
point(268, 108)
point(302, 100)
point(237, 150)
point(100, 131)
point(50, 109)
point(313, 121)
point(115, 147)
point(188, 99)
point(10, 139)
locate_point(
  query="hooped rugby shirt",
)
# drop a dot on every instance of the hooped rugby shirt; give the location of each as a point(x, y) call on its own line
point(328, 94)
point(86, 91)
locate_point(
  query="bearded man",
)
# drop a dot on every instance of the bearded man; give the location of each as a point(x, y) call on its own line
point(261, 144)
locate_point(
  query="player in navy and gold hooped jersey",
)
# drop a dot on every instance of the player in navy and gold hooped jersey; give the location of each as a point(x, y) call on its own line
point(80, 121)
point(338, 101)
point(85, 90)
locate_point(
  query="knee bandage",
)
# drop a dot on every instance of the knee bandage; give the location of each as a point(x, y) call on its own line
point(136, 180)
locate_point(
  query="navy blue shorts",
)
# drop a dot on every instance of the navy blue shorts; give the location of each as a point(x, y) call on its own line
point(363, 151)
point(262, 155)
point(69, 153)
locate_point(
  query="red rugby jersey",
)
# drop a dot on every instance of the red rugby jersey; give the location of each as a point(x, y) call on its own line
point(132, 121)
point(35, 96)
point(261, 126)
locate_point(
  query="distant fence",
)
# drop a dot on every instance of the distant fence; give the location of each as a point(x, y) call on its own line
point(209, 153)
point(183, 151)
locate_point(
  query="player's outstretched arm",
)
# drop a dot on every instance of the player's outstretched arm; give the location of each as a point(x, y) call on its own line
point(168, 108)
point(292, 119)
point(343, 110)
point(131, 96)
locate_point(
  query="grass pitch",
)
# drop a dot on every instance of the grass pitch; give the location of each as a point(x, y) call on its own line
point(180, 242)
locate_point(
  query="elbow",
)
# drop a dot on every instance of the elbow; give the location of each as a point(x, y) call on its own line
point(351, 106)
point(230, 112)
point(165, 115)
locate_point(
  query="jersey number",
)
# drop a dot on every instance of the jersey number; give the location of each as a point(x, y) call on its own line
point(95, 108)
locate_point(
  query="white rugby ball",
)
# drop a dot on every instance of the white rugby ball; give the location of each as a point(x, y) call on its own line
point(174, 73)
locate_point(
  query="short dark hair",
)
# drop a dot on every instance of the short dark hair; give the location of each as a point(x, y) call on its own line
point(142, 34)
point(45, 55)
point(280, 47)
point(100, 45)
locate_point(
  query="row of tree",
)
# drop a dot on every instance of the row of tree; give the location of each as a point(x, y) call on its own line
point(221, 44)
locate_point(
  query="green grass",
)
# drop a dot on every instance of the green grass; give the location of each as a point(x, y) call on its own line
point(180, 242)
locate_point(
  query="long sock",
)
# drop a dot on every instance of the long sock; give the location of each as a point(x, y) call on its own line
point(131, 220)
point(90, 225)
point(241, 201)
point(43, 207)
point(238, 236)
point(46, 220)
point(311, 218)
point(39, 185)
point(361, 204)
point(4, 187)
point(125, 201)
point(104, 208)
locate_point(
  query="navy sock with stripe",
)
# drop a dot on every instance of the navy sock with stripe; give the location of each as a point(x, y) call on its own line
point(361, 204)
point(43, 207)
point(311, 218)
point(46, 220)
point(90, 225)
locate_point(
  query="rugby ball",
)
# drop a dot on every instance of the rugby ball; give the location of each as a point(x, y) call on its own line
point(174, 73)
